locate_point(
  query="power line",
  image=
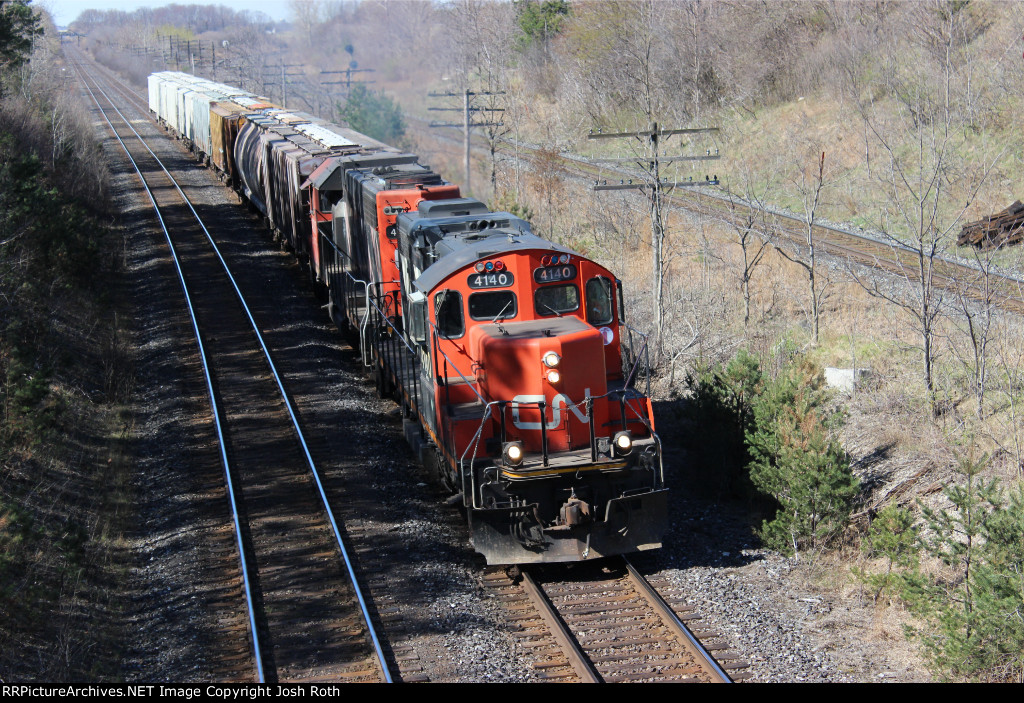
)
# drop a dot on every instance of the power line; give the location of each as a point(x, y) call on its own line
point(467, 121)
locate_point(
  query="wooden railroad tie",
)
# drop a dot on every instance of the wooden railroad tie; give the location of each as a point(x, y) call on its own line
point(1004, 228)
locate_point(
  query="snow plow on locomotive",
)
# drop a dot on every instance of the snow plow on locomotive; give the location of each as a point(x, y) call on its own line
point(517, 375)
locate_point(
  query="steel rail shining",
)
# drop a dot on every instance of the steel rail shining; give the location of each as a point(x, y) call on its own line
point(209, 382)
point(666, 611)
point(288, 404)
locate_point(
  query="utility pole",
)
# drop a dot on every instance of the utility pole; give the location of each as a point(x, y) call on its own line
point(467, 125)
point(652, 183)
point(347, 81)
point(353, 68)
point(284, 79)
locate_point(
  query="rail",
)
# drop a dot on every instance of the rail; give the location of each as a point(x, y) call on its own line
point(628, 347)
point(218, 424)
point(279, 382)
point(669, 616)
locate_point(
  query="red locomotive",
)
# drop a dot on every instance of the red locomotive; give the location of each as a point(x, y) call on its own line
point(516, 372)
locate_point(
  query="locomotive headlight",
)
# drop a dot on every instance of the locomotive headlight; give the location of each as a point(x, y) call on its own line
point(623, 443)
point(512, 452)
point(554, 377)
point(551, 360)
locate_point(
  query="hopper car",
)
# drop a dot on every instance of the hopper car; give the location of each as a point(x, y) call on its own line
point(520, 383)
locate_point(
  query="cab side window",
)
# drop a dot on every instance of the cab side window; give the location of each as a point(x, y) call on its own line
point(448, 313)
point(600, 302)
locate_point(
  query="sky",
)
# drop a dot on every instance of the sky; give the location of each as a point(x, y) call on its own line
point(65, 11)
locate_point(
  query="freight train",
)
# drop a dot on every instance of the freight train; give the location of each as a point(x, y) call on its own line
point(518, 377)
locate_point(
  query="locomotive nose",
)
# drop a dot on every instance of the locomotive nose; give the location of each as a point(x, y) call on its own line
point(543, 369)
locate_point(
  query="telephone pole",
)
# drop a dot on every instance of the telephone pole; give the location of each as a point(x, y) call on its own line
point(468, 123)
point(652, 183)
point(284, 78)
point(350, 77)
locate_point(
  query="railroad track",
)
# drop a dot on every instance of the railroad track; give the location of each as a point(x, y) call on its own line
point(606, 623)
point(865, 249)
point(308, 620)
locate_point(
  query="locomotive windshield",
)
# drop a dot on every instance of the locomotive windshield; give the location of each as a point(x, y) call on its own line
point(554, 300)
point(490, 305)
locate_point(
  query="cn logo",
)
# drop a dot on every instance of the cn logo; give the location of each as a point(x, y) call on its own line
point(558, 402)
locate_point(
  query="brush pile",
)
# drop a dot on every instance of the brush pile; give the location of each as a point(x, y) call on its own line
point(999, 230)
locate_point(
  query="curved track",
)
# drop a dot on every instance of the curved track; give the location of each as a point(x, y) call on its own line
point(308, 618)
point(609, 626)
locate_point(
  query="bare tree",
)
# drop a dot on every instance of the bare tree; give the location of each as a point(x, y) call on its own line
point(753, 229)
point(1011, 364)
point(916, 217)
point(480, 59)
point(945, 30)
point(306, 14)
point(809, 186)
point(549, 181)
point(975, 302)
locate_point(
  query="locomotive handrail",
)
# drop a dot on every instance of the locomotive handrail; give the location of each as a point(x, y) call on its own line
point(588, 402)
point(363, 353)
point(654, 435)
point(636, 362)
point(474, 444)
point(366, 322)
point(365, 342)
point(435, 335)
point(413, 374)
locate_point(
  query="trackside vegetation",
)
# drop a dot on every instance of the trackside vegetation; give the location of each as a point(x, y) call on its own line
point(373, 114)
point(56, 266)
point(776, 437)
point(961, 574)
point(959, 570)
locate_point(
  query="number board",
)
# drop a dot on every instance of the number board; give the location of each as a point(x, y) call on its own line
point(554, 274)
point(491, 279)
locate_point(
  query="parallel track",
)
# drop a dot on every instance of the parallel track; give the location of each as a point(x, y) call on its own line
point(866, 250)
point(308, 618)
